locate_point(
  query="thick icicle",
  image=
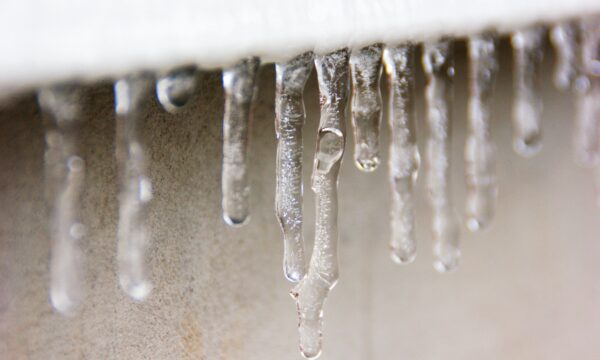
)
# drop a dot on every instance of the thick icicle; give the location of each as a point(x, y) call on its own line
point(480, 151)
point(289, 121)
point(365, 67)
point(239, 83)
point(310, 294)
point(565, 37)
point(587, 92)
point(135, 188)
point(176, 88)
point(404, 153)
point(65, 172)
point(528, 52)
point(438, 63)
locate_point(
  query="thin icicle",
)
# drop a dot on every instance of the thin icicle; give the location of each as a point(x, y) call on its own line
point(404, 153)
point(239, 83)
point(438, 63)
point(65, 172)
point(176, 88)
point(587, 92)
point(289, 121)
point(528, 52)
point(365, 67)
point(135, 190)
point(480, 151)
point(310, 294)
point(566, 37)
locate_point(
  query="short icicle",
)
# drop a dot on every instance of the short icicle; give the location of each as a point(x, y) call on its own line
point(289, 121)
point(565, 37)
point(310, 294)
point(176, 88)
point(480, 151)
point(587, 95)
point(65, 172)
point(438, 64)
point(365, 68)
point(239, 83)
point(528, 53)
point(404, 154)
point(135, 188)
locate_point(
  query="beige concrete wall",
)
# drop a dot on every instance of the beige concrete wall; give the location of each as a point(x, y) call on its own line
point(527, 288)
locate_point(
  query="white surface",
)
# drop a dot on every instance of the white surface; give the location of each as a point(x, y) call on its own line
point(47, 41)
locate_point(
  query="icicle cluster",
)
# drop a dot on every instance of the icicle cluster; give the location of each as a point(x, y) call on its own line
point(577, 69)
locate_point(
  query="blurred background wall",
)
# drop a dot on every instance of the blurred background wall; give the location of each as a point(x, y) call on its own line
point(527, 288)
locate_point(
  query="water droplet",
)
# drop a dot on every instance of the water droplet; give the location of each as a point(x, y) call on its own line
point(289, 121)
point(404, 154)
point(239, 83)
point(176, 88)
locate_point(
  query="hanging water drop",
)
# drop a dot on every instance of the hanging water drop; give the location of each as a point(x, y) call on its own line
point(404, 154)
point(289, 121)
point(310, 294)
point(65, 172)
point(438, 64)
point(587, 96)
point(480, 151)
point(565, 37)
point(528, 52)
point(176, 88)
point(135, 190)
point(239, 83)
point(365, 68)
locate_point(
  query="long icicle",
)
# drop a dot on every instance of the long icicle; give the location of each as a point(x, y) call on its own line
point(480, 151)
point(587, 95)
point(239, 83)
point(310, 294)
point(176, 88)
point(365, 68)
point(65, 172)
point(135, 188)
point(404, 154)
point(289, 121)
point(438, 64)
point(528, 52)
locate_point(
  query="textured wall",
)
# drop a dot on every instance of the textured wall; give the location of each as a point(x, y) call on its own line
point(526, 289)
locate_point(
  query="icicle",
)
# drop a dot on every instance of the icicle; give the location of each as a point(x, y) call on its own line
point(176, 88)
point(404, 153)
point(438, 63)
point(528, 53)
point(587, 92)
point(289, 120)
point(365, 67)
point(565, 37)
point(65, 172)
point(480, 151)
point(239, 83)
point(311, 292)
point(135, 190)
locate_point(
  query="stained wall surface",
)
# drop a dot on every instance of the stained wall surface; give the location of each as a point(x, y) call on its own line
point(527, 288)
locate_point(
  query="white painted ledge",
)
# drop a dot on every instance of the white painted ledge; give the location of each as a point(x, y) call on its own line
point(45, 41)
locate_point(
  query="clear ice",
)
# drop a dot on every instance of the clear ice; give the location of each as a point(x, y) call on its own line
point(175, 89)
point(480, 151)
point(587, 95)
point(289, 121)
point(438, 64)
point(310, 294)
point(135, 188)
point(239, 82)
point(528, 53)
point(365, 69)
point(65, 172)
point(566, 37)
point(404, 154)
